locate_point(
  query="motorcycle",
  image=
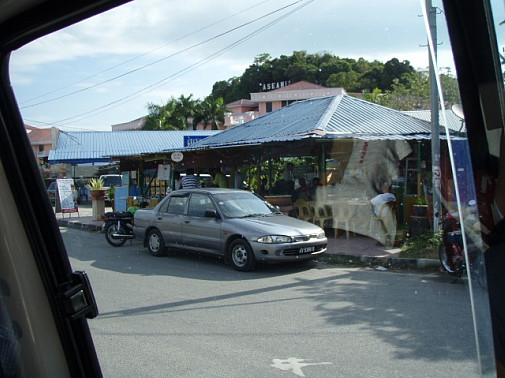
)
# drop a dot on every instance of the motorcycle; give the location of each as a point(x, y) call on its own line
point(451, 253)
point(118, 226)
point(451, 250)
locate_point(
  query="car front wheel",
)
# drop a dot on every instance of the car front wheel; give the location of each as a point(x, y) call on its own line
point(155, 243)
point(241, 256)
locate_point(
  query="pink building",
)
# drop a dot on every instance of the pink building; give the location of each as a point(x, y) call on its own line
point(269, 101)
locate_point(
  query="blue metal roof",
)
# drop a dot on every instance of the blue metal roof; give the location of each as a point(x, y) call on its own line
point(102, 146)
point(340, 116)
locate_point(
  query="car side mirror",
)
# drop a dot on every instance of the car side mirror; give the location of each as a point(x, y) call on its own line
point(211, 214)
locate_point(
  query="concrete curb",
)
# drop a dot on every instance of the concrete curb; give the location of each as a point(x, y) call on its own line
point(392, 263)
point(79, 226)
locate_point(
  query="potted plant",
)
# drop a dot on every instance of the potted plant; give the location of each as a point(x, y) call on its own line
point(96, 189)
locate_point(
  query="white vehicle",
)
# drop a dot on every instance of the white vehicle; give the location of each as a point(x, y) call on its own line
point(111, 180)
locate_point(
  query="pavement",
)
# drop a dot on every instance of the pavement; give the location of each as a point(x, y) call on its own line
point(357, 250)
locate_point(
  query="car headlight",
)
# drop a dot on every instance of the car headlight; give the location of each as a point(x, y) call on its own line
point(275, 239)
point(321, 235)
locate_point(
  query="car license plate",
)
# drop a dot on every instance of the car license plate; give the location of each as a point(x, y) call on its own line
point(306, 249)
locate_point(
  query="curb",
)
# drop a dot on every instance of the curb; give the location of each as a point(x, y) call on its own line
point(398, 263)
point(79, 226)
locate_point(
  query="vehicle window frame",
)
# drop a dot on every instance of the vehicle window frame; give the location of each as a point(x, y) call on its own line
point(183, 207)
point(194, 197)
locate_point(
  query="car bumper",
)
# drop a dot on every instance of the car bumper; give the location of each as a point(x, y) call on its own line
point(288, 252)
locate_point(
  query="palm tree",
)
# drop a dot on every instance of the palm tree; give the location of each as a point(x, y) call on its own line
point(184, 113)
point(211, 112)
point(186, 107)
point(170, 116)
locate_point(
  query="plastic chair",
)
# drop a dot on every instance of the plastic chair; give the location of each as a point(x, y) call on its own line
point(322, 214)
point(303, 211)
point(341, 217)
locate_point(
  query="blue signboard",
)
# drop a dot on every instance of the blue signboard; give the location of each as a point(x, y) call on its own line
point(189, 140)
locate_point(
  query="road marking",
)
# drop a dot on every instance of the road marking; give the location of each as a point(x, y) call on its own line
point(295, 365)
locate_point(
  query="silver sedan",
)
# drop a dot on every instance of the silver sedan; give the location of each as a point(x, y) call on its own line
point(235, 224)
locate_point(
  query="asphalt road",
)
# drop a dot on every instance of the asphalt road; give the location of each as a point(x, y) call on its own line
point(191, 316)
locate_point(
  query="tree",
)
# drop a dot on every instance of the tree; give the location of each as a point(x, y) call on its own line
point(394, 69)
point(412, 92)
point(186, 110)
point(395, 82)
point(173, 115)
point(210, 111)
point(413, 95)
point(347, 80)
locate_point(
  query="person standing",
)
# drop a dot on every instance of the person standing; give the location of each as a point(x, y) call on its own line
point(288, 172)
point(177, 181)
point(239, 180)
point(220, 180)
point(190, 180)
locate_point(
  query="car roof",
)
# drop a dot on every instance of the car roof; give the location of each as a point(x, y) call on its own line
point(211, 190)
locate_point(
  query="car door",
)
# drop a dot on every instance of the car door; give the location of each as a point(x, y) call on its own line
point(202, 233)
point(170, 218)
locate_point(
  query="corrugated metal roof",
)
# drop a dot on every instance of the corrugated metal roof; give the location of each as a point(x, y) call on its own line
point(339, 116)
point(454, 122)
point(356, 116)
point(99, 146)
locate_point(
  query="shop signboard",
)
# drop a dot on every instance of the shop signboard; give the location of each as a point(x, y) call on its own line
point(189, 140)
point(66, 192)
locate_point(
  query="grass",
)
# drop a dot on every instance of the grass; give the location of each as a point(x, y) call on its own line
point(422, 246)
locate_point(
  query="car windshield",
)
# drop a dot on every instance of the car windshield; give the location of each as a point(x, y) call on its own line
point(112, 181)
point(241, 205)
point(342, 114)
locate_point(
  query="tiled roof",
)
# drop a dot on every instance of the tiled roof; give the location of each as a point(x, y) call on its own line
point(299, 86)
point(39, 136)
point(242, 102)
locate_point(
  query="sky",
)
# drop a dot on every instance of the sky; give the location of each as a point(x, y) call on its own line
point(107, 69)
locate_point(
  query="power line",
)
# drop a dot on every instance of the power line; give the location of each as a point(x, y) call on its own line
point(162, 59)
point(132, 96)
point(141, 55)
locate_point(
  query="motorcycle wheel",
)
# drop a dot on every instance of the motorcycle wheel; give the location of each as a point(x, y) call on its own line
point(112, 228)
point(453, 269)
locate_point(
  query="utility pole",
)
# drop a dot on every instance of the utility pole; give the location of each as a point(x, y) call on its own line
point(435, 120)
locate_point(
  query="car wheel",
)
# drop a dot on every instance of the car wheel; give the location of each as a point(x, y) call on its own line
point(155, 243)
point(241, 256)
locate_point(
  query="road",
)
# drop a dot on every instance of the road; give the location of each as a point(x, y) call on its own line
point(191, 316)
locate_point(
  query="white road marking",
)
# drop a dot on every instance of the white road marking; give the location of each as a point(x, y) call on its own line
point(294, 364)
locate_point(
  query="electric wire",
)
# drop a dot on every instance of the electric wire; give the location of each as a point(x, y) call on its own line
point(161, 59)
point(141, 55)
point(132, 96)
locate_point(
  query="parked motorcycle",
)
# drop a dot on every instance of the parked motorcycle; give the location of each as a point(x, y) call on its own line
point(451, 253)
point(118, 226)
point(451, 250)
